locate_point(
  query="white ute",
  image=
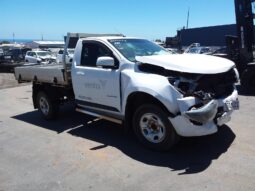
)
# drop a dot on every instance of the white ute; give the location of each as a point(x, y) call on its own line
point(159, 95)
point(69, 56)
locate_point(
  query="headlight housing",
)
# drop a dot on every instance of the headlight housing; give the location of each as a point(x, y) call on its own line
point(206, 86)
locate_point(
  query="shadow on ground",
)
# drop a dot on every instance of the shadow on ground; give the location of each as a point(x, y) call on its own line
point(191, 155)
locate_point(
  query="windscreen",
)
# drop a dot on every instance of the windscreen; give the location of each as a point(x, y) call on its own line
point(194, 50)
point(130, 48)
point(43, 54)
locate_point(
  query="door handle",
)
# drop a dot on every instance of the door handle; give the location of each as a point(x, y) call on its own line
point(80, 73)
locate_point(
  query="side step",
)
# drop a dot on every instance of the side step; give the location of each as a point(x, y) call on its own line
point(99, 116)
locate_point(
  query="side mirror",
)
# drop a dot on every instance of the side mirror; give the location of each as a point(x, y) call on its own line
point(105, 61)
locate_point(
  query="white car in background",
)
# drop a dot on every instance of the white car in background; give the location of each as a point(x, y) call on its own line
point(39, 57)
point(199, 50)
point(69, 56)
point(172, 50)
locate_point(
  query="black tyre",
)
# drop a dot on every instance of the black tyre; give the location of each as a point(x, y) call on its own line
point(248, 80)
point(153, 129)
point(46, 106)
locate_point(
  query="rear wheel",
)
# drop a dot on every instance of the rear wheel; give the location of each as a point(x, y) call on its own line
point(46, 106)
point(153, 128)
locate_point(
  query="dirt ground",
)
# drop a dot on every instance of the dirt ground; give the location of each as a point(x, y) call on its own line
point(7, 80)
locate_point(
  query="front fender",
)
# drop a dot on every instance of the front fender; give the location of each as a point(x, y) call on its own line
point(152, 84)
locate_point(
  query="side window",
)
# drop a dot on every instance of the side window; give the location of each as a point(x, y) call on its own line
point(85, 58)
point(104, 52)
point(91, 52)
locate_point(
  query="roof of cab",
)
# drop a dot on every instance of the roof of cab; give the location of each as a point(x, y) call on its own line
point(109, 38)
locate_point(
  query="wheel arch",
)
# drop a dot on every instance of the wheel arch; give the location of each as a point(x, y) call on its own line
point(50, 91)
point(136, 99)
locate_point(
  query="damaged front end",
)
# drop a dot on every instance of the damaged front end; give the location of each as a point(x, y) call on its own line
point(207, 90)
point(208, 101)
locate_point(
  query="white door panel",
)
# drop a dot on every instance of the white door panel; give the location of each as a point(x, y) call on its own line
point(97, 85)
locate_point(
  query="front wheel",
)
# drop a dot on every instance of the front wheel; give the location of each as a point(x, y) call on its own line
point(153, 128)
point(46, 106)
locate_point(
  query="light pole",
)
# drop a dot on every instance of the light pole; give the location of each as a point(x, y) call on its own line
point(13, 35)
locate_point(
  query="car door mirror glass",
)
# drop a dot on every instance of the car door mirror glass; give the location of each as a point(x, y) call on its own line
point(105, 61)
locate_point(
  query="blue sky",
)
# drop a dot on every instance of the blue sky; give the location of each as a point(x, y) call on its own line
point(151, 19)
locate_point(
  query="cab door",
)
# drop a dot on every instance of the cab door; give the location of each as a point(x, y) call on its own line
point(94, 86)
point(33, 57)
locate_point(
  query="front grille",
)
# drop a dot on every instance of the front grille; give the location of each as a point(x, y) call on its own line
point(219, 85)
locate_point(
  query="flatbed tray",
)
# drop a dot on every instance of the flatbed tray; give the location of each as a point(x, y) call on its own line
point(52, 73)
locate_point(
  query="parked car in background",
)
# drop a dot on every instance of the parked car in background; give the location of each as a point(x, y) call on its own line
point(199, 50)
point(69, 56)
point(39, 57)
point(172, 50)
point(221, 52)
point(16, 54)
point(1, 55)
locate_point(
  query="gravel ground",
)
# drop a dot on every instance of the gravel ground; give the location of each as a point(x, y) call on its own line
point(7, 80)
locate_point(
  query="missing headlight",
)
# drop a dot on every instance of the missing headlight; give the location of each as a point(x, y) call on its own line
point(205, 86)
point(183, 85)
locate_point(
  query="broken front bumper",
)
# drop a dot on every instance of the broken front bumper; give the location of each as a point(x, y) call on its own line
point(204, 120)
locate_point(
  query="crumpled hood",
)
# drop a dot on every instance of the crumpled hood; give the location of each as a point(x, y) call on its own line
point(45, 57)
point(189, 63)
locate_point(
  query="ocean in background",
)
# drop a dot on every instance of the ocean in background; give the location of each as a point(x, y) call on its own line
point(18, 40)
point(23, 40)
